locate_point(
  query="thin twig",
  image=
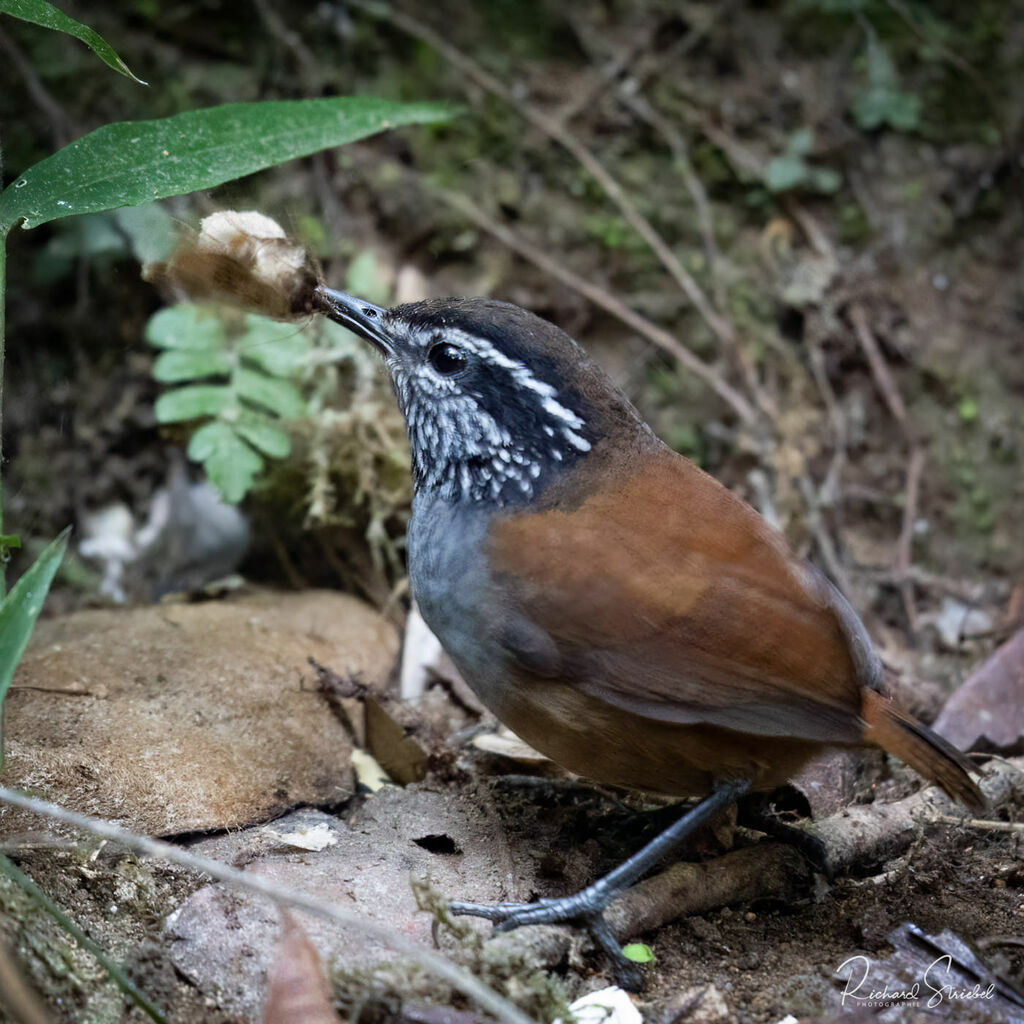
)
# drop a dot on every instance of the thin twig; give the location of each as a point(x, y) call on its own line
point(58, 121)
point(680, 151)
point(982, 824)
point(994, 941)
point(905, 546)
point(915, 458)
point(629, 95)
point(880, 369)
point(556, 131)
point(607, 76)
point(673, 55)
point(830, 487)
point(811, 229)
point(458, 978)
point(16, 997)
point(826, 548)
point(606, 300)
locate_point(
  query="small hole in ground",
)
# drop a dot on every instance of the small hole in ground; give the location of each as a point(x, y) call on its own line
point(438, 844)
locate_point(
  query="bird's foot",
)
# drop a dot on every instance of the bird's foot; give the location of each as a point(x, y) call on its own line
point(752, 815)
point(587, 907)
point(579, 909)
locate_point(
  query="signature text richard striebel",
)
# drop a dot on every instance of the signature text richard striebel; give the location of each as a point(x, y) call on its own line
point(934, 988)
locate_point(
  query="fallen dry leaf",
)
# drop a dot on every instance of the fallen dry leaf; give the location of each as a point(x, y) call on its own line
point(297, 991)
point(987, 712)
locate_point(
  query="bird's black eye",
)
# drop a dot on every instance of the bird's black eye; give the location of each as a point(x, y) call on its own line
point(446, 359)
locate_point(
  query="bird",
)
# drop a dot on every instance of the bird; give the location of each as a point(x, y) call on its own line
point(613, 604)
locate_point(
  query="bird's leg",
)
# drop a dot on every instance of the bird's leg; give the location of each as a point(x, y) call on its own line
point(587, 906)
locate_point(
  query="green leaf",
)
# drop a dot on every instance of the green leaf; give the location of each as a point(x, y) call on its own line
point(882, 101)
point(824, 179)
point(185, 327)
point(151, 230)
point(231, 465)
point(135, 162)
point(364, 279)
point(190, 364)
point(785, 172)
point(263, 435)
point(208, 439)
point(801, 142)
point(968, 409)
point(280, 348)
point(20, 608)
point(192, 403)
point(38, 12)
point(638, 952)
point(276, 395)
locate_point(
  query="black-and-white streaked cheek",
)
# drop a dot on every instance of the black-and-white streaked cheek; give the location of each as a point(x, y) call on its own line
point(459, 447)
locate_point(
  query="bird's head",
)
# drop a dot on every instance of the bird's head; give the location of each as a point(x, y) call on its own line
point(498, 403)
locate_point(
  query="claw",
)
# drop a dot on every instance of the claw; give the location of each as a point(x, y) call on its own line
point(587, 906)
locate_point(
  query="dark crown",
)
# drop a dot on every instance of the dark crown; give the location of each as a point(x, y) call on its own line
point(497, 401)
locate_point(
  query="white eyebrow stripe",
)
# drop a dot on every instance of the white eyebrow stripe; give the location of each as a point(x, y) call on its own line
point(461, 449)
point(523, 375)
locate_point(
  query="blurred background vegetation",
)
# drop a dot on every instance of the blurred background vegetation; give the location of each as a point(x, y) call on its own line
point(831, 187)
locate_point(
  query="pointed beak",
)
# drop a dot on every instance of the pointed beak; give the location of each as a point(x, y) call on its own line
point(362, 318)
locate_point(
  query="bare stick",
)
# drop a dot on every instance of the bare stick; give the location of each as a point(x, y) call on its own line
point(768, 870)
point(654, 64)
point(485, 997)
point(59, 122)
point(879, 368)
point(826, 547)
point(629, 95)
point(905, 545)
point(16, 997)
point(681, 158)
point(983, 825)
point(857, 835)
point(915, 462)
point(607, 301)
point(554, 129)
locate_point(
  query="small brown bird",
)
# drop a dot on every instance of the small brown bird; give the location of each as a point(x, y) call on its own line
point(618, 608)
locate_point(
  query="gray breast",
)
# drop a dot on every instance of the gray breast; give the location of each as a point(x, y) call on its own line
point(453, 589)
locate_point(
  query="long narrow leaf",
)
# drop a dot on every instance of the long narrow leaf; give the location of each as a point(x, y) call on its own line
point(19, 610)
point(114, 969)
point(39, 12)
point(134, 162)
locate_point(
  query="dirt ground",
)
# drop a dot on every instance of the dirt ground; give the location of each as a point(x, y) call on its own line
point(870, 316)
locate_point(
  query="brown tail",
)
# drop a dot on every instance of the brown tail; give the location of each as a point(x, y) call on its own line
point(927, 753)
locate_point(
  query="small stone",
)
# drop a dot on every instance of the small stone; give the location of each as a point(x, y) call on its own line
point(704, 929)
point(702, 1004)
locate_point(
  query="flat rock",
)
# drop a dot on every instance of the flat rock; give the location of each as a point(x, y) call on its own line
point(176, 718)
point(224, 939)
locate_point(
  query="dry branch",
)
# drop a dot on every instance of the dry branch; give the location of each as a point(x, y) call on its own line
point(859, 836)
point(606, 300)
point(915, 454)
point(766, 870)
point(554, 129)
